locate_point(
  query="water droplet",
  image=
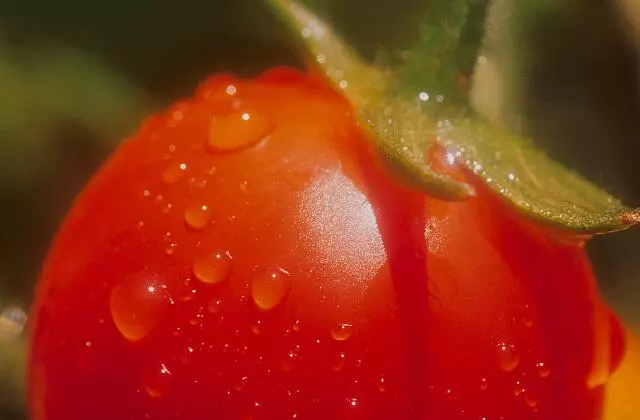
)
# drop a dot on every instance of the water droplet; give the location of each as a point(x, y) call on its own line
point(136, 305)
point(508, 357)
point(188, 291)
point(215, 305)
point(484, 384)
point(241, 383)
point(198, 317)
point(257, 327)
point(269, 288)
point(197, 215)
point(342, 332)
point(296, 326)
point(543, 369)
point(518, 389)
point(12, 322)
point(527, 316)
point(174, 172)
point(353, 402)
point(238, 130)
point(531, 401)
point(289, 361)
point(213, 268)
point(382, 384)
point(339, 362)
point(170, 248)
point(157, 380)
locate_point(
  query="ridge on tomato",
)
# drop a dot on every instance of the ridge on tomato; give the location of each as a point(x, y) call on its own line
point(246, 256)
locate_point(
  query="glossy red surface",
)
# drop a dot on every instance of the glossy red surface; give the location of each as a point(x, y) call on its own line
point(245, 256)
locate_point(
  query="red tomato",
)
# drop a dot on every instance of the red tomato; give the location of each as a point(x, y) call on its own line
point(246, 256)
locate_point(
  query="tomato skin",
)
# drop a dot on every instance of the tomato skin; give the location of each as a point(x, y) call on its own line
point(245, 256)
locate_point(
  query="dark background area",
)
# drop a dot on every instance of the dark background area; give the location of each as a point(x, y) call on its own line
point(580, 78)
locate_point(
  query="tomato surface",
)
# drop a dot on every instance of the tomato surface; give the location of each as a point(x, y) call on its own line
point(246, 255)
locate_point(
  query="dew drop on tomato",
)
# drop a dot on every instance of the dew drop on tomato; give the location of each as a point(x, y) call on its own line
point(174, 172)
point(484, 384)
point(508, 358)
point(157, 380)
point(135, 306)
point(213, 268)
point(197, 215)
point(339, 362)
point(215, 305)
point(531, 401)
point(543, 369)
point(289, 361)
point(342, 332)
point(238, 130)
point(518, 389)
point(382, 384)
point(241, 383)
point(269, 288)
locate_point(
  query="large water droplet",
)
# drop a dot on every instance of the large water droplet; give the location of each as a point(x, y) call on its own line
point(214, 267)
point(197, 215)
point(238, 130)
point(342, 332)
point(508, 357)
point(269, 288)
point(135, 306)
point(174, 172)
point(157, 380)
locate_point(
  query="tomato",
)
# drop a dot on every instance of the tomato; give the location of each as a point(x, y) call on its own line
point(246, 255)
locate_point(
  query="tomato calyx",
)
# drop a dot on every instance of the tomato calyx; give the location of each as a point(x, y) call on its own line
point(405, 122)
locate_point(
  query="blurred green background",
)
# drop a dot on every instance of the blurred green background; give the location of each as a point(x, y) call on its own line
point(78, 76)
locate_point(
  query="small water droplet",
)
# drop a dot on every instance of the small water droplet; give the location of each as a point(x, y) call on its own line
point(238, 130)
point(339, 362)
point(214, 267)
point(543, 369)
point(158, 380)
point(188, 291)
point(527, 316)
point(241, 383)
point(256, 328)
point(269, 288)
point(170, 248)
point(174, 172)
point(484, 384)
point(135, 306)
point(215, 305)
point(198, 317)
point(530, 400)
point(289, 361)
point(342, 332)
point(354, 402)
point(197, 215)
point(382, 384)
point(508, 357)
point(518, 389)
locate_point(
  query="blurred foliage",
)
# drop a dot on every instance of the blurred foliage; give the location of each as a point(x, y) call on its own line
point(76, 76)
